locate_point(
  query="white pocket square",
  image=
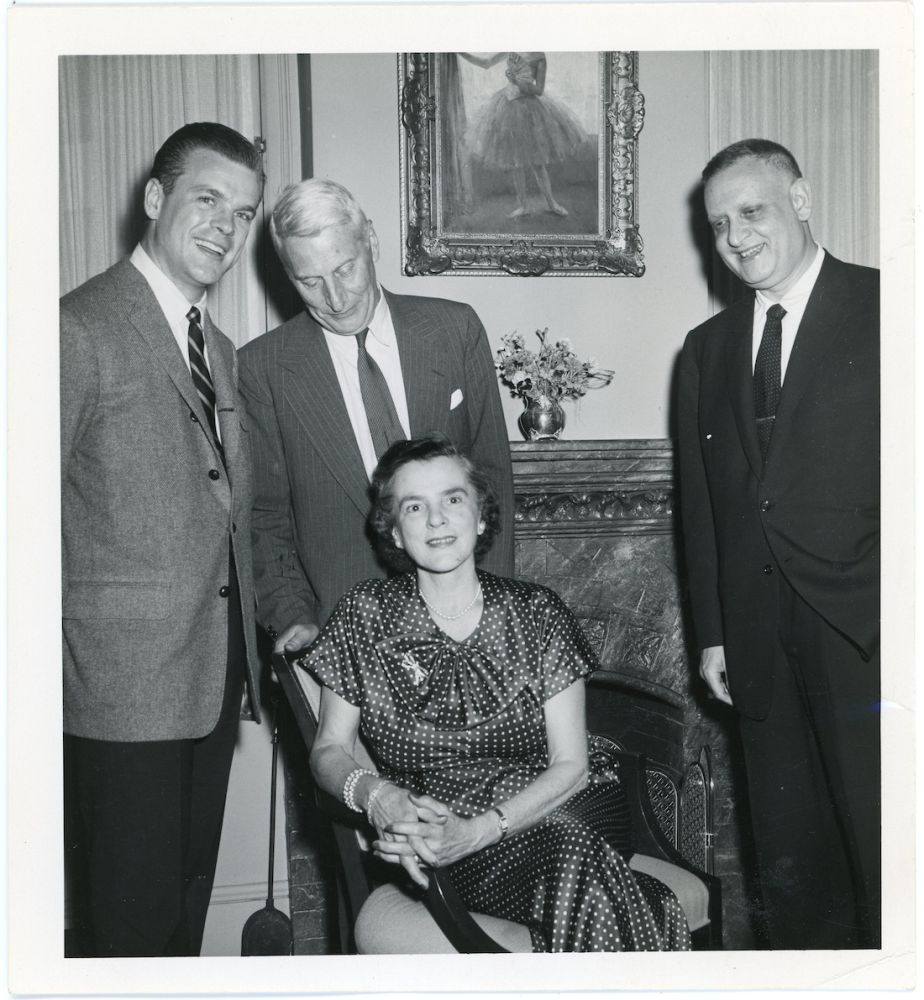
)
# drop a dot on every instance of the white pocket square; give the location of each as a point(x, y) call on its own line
point(455, 399)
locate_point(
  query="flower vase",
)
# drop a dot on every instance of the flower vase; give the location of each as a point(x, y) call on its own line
point(541, 420)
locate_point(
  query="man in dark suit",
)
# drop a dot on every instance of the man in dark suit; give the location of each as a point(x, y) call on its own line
point(779, 462)
point(329, 390)
point(158, 592)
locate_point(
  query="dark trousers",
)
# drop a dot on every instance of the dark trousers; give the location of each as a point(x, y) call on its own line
point(813, 768)
point(149, 824)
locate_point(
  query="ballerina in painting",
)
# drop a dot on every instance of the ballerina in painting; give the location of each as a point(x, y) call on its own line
point(522, 128)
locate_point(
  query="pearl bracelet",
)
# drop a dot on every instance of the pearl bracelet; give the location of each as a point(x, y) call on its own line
point(349, 787)
point(373, 795)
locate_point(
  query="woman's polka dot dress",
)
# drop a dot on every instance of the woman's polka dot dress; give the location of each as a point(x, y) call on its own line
point(464, 722)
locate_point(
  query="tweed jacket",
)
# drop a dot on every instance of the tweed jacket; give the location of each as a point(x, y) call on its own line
point(809, 511)
point(311, 496)
point(148, 509)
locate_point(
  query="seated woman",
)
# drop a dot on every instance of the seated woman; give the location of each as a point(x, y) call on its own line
point(469, 690)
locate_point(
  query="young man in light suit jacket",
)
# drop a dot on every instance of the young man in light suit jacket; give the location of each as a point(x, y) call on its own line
point(779, 461)
point(315, 444)
point(159, 636)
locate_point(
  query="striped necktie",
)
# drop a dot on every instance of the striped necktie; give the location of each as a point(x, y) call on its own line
point(201, 377)
point(384, 425)
point(767, 375)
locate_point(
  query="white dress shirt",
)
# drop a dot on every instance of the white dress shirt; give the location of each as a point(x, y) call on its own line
point(382, 347)
point(173, 304)
point(794, 302)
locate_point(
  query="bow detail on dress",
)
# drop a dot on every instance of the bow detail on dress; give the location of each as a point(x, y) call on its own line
point(453, 685)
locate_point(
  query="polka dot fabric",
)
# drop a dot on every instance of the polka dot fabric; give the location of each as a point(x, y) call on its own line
point(464, 723)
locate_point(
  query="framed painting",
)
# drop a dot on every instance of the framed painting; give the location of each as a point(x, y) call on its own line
point(520, 163)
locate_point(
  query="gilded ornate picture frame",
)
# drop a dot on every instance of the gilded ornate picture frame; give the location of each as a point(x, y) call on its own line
point(520, 163)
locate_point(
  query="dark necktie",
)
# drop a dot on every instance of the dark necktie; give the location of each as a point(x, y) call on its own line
point(767, 376)
point(384, 424)
point(201, 376)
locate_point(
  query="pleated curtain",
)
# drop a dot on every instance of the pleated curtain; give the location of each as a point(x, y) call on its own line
point(823, 105)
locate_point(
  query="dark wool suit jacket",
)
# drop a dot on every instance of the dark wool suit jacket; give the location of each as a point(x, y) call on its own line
point(147, 512)
point(311, 542)
point(812, 510)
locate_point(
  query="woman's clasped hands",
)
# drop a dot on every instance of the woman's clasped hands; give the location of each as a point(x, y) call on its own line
point(420, 830)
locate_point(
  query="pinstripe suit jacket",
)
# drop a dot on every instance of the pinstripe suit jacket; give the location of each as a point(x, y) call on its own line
point(311, 499)
point(147, 513)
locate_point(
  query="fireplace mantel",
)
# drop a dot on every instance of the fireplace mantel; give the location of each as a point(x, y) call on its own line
point(593, 487)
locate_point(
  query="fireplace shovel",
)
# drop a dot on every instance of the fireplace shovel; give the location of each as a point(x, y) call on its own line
point(269, 931)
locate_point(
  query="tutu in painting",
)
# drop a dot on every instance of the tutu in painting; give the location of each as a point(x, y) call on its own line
point(521, 128)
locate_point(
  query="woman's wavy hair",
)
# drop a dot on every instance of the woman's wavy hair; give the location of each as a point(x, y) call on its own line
point(383, 515)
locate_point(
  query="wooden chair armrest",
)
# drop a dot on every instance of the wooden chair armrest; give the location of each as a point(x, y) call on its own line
point(295, 694)
point(453, 919)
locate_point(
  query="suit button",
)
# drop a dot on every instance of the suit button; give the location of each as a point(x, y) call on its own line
point(214, 474)
point(193, 417)
point(768, 569)
point(224, 591)
point(233, 528)
point(765, 505)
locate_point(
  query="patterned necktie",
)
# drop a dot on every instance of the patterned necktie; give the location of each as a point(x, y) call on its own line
point(201, 377)
point(767, 376)
point(384, 425)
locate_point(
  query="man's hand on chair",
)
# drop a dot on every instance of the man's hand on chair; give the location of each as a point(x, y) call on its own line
point(295, 637)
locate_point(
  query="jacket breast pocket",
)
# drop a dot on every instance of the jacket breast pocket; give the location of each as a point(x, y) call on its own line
point(90, 600)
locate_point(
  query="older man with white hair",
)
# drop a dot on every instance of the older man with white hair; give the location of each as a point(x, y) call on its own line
point(329, 390)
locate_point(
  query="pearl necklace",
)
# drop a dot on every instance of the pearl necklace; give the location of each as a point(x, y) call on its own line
point(461, 614)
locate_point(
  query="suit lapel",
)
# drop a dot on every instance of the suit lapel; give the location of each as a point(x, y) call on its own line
point(422, 363)
point(146, 316)
point(739, 329)
point(311, 388)
point(824, 314)
point(148, 319)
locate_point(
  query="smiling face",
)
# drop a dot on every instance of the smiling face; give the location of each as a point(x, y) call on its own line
point(437, 514)
point(334, 273)
point(198, 228)
point(759, 217)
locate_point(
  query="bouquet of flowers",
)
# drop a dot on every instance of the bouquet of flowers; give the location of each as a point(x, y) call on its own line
point(552, 373)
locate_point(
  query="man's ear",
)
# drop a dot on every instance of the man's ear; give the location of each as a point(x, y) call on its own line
point(800, 196)
point(153, 198)
point(373, 242)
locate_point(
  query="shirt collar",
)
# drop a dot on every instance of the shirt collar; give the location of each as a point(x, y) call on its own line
point(171, 300)
point(801, 290)
point(380, 325)
point(380, 328)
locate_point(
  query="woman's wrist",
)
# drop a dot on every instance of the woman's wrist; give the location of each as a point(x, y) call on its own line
point(351, 786)
point(494, 826)
point(503, 825)
point(372, 795)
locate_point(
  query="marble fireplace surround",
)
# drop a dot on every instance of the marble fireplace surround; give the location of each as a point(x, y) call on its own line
point(596, 521)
